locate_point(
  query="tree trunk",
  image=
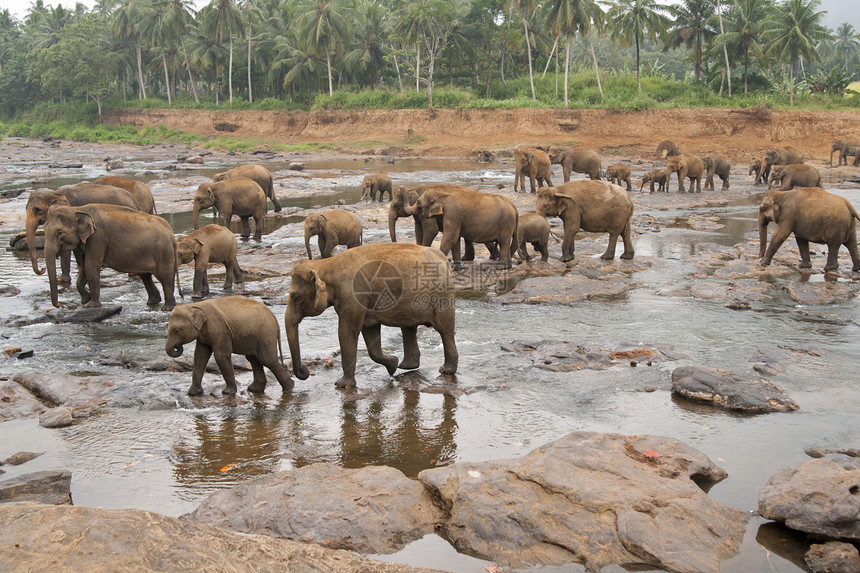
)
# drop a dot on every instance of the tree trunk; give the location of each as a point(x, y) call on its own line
point(399, 76)
point(166, 82)
point(188, 68)
point(725, 49)
point(417, 65)
point(566, 65)
point(141, 90)
point(230, 71)
point(529, 54)
point(638, 79)
point(596, 69)
point(328, 67)
point(549, 59)
point(430, 83)
point(250, 94)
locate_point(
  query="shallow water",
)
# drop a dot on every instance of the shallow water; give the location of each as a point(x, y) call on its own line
point(168, 454)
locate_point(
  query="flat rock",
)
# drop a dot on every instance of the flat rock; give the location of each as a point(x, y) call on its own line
point(58, 417)
point(833, 557)
point(730, 390)
point(79, 394)
point(825, 292)
point(83, 314)
point(820, 497)
point(564, 356)
point(51, 487)
point(17, 403)
point(737, 291)
point(568, 289)
point(596, 499)
point(20, 458)
point(370, 510)
point(36, 537)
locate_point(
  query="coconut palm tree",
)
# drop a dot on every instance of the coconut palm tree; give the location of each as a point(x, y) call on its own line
point(367, 56)
point(223, 19)
point(326, 24)
point(126, 21)
point(691, 28)
point(524, 8)
point(153, 29)
point(744, 24)
point(567, 18)
point(632, 20)
point(792, 32)
point(846, 42)
point(179, 16)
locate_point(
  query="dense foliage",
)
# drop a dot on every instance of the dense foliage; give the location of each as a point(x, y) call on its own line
point(345, 54)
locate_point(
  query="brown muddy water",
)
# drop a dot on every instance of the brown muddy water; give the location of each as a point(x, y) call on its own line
point(162, 451)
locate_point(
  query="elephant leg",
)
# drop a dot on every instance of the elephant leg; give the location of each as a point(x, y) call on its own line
point(803, 247)
point(628, 244)
point(373, 341)
point(532, 183)
point(778, 237)
point(725, 181)
point(201, 286)
point(469, 254)
point(153, 296)
point(202, 353)
point(93, 281)
point(167, 284)
point(259, 223)
point(452, 357)
point(258, 386)
point(225, 364)
point(493, 248)
point(65, 269)
point(832, 257)
point(246, 227)
point(411, 352)
point(543, 248)
point(567, 244)
point(521, 251)
point(610, 249)
point(275, 203)
point(450, 240)
point(229, 273)
point(348, 337)
point(851, 245)
point(505, 249)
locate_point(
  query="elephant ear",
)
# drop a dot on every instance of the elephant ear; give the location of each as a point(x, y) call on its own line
point(319, 288)
point(564, 201)
point(85, 226)
point(196, 245)
point(434, 209)
point(198, 318)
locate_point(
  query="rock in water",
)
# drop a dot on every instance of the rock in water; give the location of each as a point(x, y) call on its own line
point(833, 557)
point(820, 497)
point(730, 390)
point(84, 314)
point(58, 417)
point(51, 487)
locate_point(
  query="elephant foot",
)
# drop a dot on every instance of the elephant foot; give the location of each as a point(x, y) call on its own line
point(607, 256)
point(627, 256)
point(287, 386)
point(828, 268)
point(92, 304)
point(65, 280)
point(409, 364)
point(278, 209)
point(345, 382)
point(256, 388)
point(457, 266)
point(448, 369)
point(390, 363)
point(195, 391)
point(229, 391)
point(197, 296)
point(168, 307)
point(808, 265)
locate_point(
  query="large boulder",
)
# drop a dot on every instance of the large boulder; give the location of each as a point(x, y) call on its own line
point(371, 510)
point(833, 557)
point(37, 537)
point(80, 394)
point(820, 497)
point(568, 289)
point(50, 486)
point(591, 498)
point(730, 390)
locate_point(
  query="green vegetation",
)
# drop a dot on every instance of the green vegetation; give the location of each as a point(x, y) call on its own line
point(60, 69)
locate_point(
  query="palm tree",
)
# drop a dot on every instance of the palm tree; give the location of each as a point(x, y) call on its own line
point(744, 22)
point(179, 16)
point(846, 42)
point(205, 55)
point(524, 8)
point(631, 20)
point(691, 28)
point(324, 23)
point(793, 31)
point(367, 55)
point(125, 23)
point(153, 28)
point(252, 14)
point(569, 17)
point(222, 18)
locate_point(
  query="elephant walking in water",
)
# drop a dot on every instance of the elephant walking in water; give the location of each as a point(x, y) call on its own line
point(535, 164)
point(211, 244)
point(383, 284)
point(258, 174)
point(234, 196)
point(333, 227)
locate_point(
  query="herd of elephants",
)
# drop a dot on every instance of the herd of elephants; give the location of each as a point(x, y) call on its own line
point(112, 222)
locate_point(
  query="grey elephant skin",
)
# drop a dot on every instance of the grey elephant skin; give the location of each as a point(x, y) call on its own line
point(578, 159)
point(534, 163)
point(210, 244)
point(656, 177)
point(534, 229)
point(227, 326)
point(119, 238)
point(256, 173)
point(592, 206)
point(845, 148)
point(782, 156)
point(40, 200)
point(618, 172)
point(374, 183)
point(234, 196)
point(785, 177)
point(333, 227)
point(814, 216)
point(687, 167)
point(391, 284)
point(716, 165)
point(142, 195)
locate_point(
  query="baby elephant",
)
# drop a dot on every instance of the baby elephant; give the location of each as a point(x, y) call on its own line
point(618, 172)
point(211, 244)
point(227, 326)
point(374, 183)
point(534, 229)
point(716, 165)
point(657, 177)
point(333, 227)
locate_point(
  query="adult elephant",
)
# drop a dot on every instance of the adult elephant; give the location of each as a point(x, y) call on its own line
point(814, 216)
point(786, 177)
point(227, 326)
point(142, 195)
point(716, 165)
point(333, 227)
point(536, 164)
point(667, 148)
point(842, 146)
point(120, 238)
point(687, 167)
point(591, 206)
point(256, 173)
point(374, 183)
point(579, 159)
point(477, 217)
point(782, 156)
point(41, 200)
point(383, 284)
point(211, 244)
point(234, 196)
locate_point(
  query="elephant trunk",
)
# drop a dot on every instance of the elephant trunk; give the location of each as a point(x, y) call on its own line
point(32, 223)
point(409, 209)
point(308, 243)
point(292, 318)
point(51, 265)
point(195, 216)
point(831, 155)
point(173, 350)
point(762, 234)
point(392, 224)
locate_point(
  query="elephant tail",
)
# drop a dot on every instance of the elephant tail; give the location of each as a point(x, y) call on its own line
point(176, 266)
point(853, 211)
point(555, 236)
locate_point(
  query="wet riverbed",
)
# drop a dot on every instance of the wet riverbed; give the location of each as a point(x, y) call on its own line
point(167, 452)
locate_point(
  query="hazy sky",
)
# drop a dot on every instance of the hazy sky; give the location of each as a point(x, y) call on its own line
point(838, 11)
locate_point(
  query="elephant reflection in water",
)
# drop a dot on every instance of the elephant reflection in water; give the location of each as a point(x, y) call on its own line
point(250, 443)
point(410, 439)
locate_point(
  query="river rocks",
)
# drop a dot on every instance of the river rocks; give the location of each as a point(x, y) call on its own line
point(826, 292)
point(79, 394)
point(67, 538)
point(84, 314)
point(820, 497)
point(58, 417)
point(568, 289)
point(51, 487)
point(372, 509)
point(17, 403)
point(739, 291)
point(597, 499)
point(833, 557)
point(20, 458)
point(564, 356)
point(730, 390)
